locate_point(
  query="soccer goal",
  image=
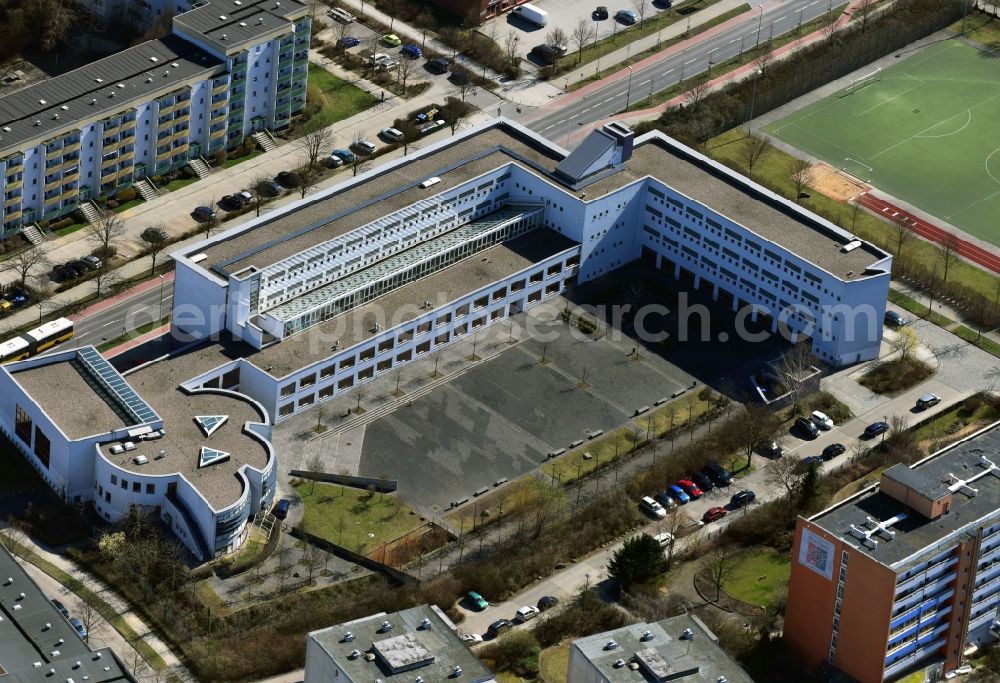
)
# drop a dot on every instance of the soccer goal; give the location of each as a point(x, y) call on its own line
point(857, 170)
point(864, 81)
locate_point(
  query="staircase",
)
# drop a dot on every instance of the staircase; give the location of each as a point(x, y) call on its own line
point(265, 141)
point(33, 233)
point(90, 212)
point(146, 189)
point(200, 167)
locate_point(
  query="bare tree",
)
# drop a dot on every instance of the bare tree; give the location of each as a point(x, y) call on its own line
point(454, 111)
point(582, 34)
point(341, 31)
point(902, 235)
point(106, 233)
point(312, 558)
point(802, 174)
point(784, 472)
point(765, 57)
point(15, 537)
point(720, 565)
point(410, 133)
point(752, 150)
point(948, 253)
point(314, 464)
point(155, 239)
point(373, 45)
point(308, 178)
point(559, 41)
point(864, 12)
point(212, 220)
point(314, 144)
point(261, 194)
point(41, 291)
point(25, 262)
point(510, 45)
point(795, 364)
point(696, 94)
point(754, 423)
point(358, 161)
point(641, 8)
point(106, 278)
point(91, 619)
point(904, 342)
point(407, 68)
point(465, 85)
point(829, 28)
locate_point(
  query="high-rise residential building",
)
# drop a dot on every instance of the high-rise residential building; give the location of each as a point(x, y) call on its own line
point(904, 574)
point(228, 69)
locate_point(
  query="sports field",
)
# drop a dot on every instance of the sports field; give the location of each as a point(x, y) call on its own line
point(926, 130)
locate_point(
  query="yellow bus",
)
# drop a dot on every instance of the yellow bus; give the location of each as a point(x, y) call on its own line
point(17, 348)
point(48, 335)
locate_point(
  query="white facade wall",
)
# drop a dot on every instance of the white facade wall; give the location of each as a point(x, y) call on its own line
point(199, 309)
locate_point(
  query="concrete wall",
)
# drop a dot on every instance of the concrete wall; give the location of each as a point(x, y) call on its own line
point(199, 308)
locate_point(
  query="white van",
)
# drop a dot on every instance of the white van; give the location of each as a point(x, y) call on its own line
point(341, 15)
point(532, 14)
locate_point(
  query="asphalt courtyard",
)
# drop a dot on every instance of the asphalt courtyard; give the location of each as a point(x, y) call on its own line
point(500, 418)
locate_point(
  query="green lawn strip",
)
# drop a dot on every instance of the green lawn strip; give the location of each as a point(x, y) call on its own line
point(971, 411)
point(70, 229)
point(856, 485)
point(229, 163)
point(103, 608)
point(772, 171)
point(602, 451)
point(340, 99)
point(127, 205)
point(346, 516)
point(918, 309)
point(758, 577)
point(178, 183)
point(974, 338)
point(505, 501)
point(132, 334)
point(553, 663)
point(734, 63)
point(639, 56)
point(981, 28)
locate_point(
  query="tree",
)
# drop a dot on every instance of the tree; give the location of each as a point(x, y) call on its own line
point(358, 161)
point(25, 262)
point(341, 31)
point(91, 619)
point(41, 291)
point(696, 94)
point(864, 12)
point(410, 133)
point(784, 472)
point(801, 174)
point(308, 177)
point(261, 194)
point(212, 221)
point(765, 57)
point(904, 342)
point(948, 253)
point(406, 69)
point(105, 278)
point(510, 45)
point(752, 150)
point(454, 111)
point(809, 487)
point(641, 7)
point(754, 423)
point(106, 233)
point(795, 364)
point(155, 239)
point(638, 560)
point(557, 38)
point(314, 464)
point(903, 234)
point(720, 565)
point(314, 144)
point(312, 558)
point(582, 34)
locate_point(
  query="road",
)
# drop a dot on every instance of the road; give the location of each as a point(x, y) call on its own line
point(773, 19)
point(125, 316)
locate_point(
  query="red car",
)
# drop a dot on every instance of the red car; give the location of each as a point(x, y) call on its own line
point(690, 488)
point(714, 514)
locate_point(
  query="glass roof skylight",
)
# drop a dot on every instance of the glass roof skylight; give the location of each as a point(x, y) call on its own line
point(211, 456)
point(103, 372)
point(209, 423)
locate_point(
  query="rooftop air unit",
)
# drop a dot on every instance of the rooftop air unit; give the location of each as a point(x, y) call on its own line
point(140, 460)
point(619, 663)
point(611, 645)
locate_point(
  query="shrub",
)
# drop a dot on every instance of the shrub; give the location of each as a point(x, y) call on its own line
point(516, 651)
point(111, 204)
point(896, 375)
point(126, 195)
point(61, 223)
point(43, 224)
point(586, 615)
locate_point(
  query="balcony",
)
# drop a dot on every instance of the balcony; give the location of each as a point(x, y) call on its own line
point(53, 184)
point(13, 201)
point(216, 134)
point(53, 152)
point(13, 184)
point(72, 174)
point(217, 117)
point(183, 118)
point(71, 147)
point(219, 89)
point(166, 106)
point(71, 193)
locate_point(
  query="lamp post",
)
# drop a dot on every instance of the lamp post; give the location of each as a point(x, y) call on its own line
point(753, 97)
point(628, 91)
point(161, 299)
point(760, 19)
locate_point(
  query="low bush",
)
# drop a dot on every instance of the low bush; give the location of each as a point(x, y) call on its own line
point(825, 402)
point(516, 651)
point(125, 195)
point(61, 223)
point(896, 375)
point(586, 615)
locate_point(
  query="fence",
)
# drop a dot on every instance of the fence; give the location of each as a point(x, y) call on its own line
point(394, 574)
point(366, 483)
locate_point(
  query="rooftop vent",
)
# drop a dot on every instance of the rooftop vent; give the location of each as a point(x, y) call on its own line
point(348, 637)
point(611, 645)
point(237, 3)
point(116, 450)
point(721, 679)
point(850, 246)
point(222, 17)
point(687, 635)
point(154, 59)
point(98, 80)
point(619, 663)
point(47, 626)
point(55, 117)
point(149, 79)
point(111, 94)
point(243, 24)
point(140, 460)
point(223, 37)
point(646, 635)
point(260, 20)
point(418, 679)
point(456, 672)
point(121, 85)
point(6, 129)
point(128, 446)
point(167, 72)
point(93, 100)
point(354, 654)
point(42, 102)
point(426, 623)
point(64, 108)
point(8, 581)
point(386, 626)
point(38, 122)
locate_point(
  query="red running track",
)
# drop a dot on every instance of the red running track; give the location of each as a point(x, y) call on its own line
point(933, 233)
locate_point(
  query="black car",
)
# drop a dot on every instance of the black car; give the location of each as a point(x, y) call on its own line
point(601, 12)
point(270, 188)
point(547, 601)
point(833, 450)
point(808, 462)
point(717, 473)
point(499, 626)
point(742, 498)
point(288, 179)
point(64, 272)
point(806, 427)
point(61, 607)
point(439, 64)
point(876, 428)
point(460, 76)
point(79, 266)
point(703, 482)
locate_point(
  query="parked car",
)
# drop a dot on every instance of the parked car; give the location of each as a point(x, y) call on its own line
point(288, 179)
point(392, 39)
point(499, 626)
point(387, 65)
point(247, 195)
point(237, 201)
point(411, 51)
point(664, 499)
point(806, 427)
point(625, 16)
point(92, 262)
point(281, 508)
point(472, 638)
point(770, 449)
point(833, 450)
point(345, 155)
point(821, 420)
point(378, 57)
point(271, 188)
point(876, 428)
point(549, 53)
point(459, 76)
point(717, 473)
point(652, 508)
point(742, 498)
point(714, 514)
point(477, 601)
point(678, 493)
point(425, 116)
point(431, 126)
point(690, 488)
point(79, 266)
point(928, 400)
point(64, 272)
point(15, 298)
point(547, 602)
point(702, 481)
point(364, 147)
point(894, 319)
point(204, 214)
point(334, 162)
point(809, 461)
point(348, 41)
point(531, 14)
point(439, 64)
point(80, 628)
point(600, 13)
point(391, 134)
point(5, 307)
point(526, 613)
point(665, 538)
point(341, 15)
point(61, 607)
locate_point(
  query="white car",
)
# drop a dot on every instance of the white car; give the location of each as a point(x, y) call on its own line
point(379, 57)
point(651, 507)
point(392, 134)
point(343, 16)
point(664, 539)
point(526, 613)
point(472, 638)
point(821, 420)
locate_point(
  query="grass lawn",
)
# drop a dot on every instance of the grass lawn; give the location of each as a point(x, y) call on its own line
point(896, 375)
point(825, 402)
point(338, 99)
point(132, 334)
point(553, 663)
point(759, 577)
point(974, 338)
point(917, 110)
point(69, 229)
point(855, 486)
point(128, 205)
point(981, 28)
point(354, 518)
point(505, 501)
point(915, 677)
point(918, 309)
point(959, 420)
point(773, 171)
point(229, 163)
point(178, 183)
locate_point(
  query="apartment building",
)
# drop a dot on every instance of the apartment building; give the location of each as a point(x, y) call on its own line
point(906, 573)
point(228, 69)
